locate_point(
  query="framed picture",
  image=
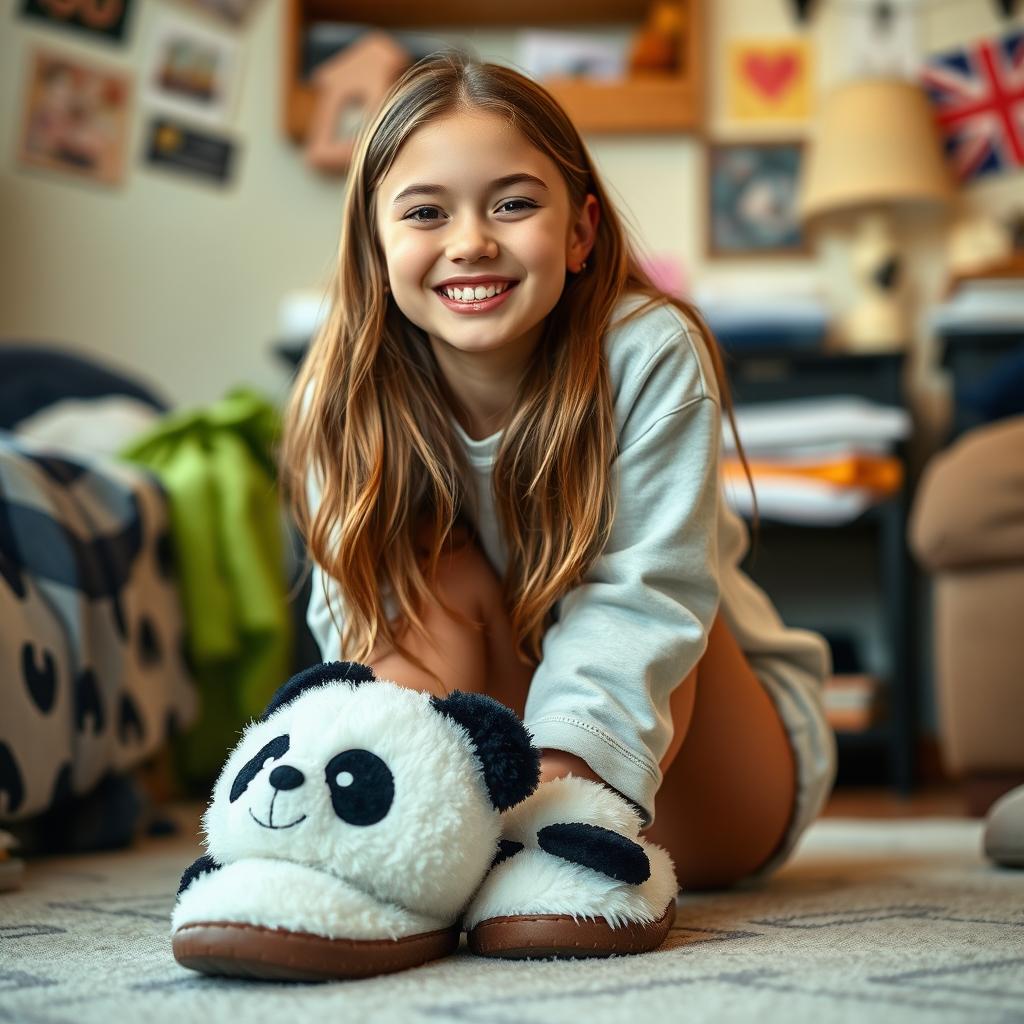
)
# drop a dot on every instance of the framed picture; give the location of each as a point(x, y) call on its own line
point(769, 80)
point(99, 19)
point(235, 12)
point(193, 70)
point(203, 155)
point(75, 118)
point(752, 192)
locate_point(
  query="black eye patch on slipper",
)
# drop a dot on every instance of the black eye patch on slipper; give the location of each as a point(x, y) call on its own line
point(599, 848)
point(275, 749)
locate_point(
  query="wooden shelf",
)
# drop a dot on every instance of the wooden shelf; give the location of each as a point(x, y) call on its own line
point(648, 104)
point(447, 13)
point(645, 103)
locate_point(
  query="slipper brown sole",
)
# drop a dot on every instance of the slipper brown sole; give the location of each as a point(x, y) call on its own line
point(540, 936)
point(253, 951)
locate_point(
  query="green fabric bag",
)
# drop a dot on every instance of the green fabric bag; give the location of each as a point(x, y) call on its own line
point(217, 465)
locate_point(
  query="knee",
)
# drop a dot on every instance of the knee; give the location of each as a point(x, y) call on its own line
point(465, 577)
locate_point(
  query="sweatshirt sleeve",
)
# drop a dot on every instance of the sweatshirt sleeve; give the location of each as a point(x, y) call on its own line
point(638, 622)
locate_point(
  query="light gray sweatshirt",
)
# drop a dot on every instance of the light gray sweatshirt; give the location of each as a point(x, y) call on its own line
point(638, 622)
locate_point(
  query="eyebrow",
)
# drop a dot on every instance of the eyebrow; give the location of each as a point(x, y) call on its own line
point(508, 179)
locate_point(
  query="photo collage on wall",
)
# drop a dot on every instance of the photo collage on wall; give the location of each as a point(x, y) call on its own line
point(182, 81)
point(752, 181)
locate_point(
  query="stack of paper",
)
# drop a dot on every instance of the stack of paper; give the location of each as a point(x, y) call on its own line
point(778, 324)
point(996, 303)
point(822, 461)
point(771, 316)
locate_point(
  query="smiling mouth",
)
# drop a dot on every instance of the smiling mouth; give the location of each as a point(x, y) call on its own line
point(476, 305)
point(264, 824)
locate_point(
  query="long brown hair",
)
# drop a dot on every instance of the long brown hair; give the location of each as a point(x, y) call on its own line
point(370, 412)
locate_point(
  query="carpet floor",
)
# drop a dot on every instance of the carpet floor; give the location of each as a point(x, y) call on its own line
point(890, 920)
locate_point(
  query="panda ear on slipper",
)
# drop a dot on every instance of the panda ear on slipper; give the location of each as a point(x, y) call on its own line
point(510, 761)
point(317, 675)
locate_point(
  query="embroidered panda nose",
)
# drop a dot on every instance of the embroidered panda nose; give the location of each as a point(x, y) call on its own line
point(284, 776)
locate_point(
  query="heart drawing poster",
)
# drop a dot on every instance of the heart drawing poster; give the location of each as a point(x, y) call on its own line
point(770, 80)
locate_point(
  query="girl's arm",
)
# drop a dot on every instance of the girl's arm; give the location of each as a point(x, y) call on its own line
point(637, 624)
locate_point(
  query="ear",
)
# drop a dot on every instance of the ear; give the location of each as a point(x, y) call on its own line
point(201, 866)
point(317, 675)
point(583, 233)
point(511, 763)
point(599, 848)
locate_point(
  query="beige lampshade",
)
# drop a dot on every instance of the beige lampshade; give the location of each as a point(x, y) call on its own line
point(875, 144)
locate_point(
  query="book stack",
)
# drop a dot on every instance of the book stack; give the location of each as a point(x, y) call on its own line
point(820, 461)
point(854, 702)
point(766, 323)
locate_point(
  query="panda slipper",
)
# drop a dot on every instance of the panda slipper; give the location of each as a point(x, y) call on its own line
point(573, 879)
point(349, 828)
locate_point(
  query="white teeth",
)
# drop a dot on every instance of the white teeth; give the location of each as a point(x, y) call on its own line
point(476, 294)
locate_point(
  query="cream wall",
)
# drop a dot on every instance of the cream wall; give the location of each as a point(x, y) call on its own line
point(181, 282)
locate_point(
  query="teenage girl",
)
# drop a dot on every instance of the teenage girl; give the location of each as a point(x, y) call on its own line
point(503, 451)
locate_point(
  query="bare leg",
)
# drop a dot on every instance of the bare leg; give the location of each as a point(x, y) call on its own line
point(729, 786)
point(729, 777)
point(474, 661)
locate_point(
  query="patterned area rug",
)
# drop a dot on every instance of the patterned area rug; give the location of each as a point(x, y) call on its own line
point(896, 920)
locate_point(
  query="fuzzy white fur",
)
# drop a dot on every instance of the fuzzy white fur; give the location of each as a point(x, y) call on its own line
point(431, 850)
point(536, 882)
point(569, 799)
point(279, 894)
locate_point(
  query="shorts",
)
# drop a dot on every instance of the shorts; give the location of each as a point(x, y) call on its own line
point(797, 698)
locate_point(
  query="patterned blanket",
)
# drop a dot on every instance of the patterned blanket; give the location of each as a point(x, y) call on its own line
point(92, 678)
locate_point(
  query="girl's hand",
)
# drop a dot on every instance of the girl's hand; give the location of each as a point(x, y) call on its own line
point(554, 764)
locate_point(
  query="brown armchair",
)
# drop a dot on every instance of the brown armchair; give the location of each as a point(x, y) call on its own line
point(967, 529)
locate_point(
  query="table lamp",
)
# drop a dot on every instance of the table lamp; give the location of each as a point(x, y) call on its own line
point(875, 154)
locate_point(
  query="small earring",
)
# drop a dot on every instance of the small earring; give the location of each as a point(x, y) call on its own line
point(583, 265)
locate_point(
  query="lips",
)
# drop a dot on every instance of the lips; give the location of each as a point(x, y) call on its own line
point(507, 283)
point(477, 306)
point(462, 282)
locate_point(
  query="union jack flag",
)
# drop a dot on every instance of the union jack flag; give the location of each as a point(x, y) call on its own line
point(978, 94)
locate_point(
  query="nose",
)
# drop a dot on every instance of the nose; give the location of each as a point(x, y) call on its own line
point(471, 242)
point(284, 776)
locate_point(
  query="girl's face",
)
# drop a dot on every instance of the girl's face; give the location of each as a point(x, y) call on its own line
point(469, 198)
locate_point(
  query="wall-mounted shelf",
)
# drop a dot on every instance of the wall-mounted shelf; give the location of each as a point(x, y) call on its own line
point(646, 103)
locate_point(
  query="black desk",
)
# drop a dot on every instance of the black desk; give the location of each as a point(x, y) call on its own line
point(785, 376)
point(970, 354)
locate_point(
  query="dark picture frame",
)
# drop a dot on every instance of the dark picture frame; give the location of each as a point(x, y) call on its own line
point(108, 20)
point(751, 199)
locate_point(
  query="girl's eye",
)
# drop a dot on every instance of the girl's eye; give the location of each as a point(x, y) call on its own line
point(411, 215)
point(518, 206)
point(526, 205)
